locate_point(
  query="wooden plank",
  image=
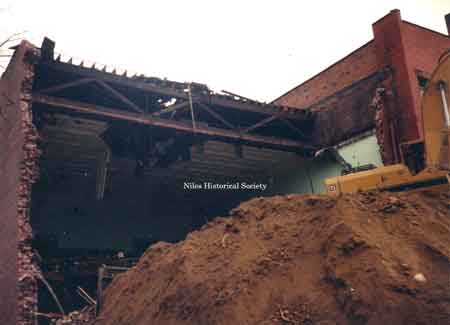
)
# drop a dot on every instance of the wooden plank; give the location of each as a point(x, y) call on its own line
point(295, 113)
point(183, 126)
point(242, 97)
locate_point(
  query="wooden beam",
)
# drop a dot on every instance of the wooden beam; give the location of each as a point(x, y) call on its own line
point(290, 125)
point(216, 115)
point(242, 97)
point(65, 85)
point(266, 109)
point(260, 123)
point(214, 99)
point(119, 96)
point(183, 126)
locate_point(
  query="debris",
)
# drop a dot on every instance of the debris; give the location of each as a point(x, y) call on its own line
point(86, 297)
point(321, 266)
point(419, 277)
point(392, 205)
point(223, 240)
point(283, 315)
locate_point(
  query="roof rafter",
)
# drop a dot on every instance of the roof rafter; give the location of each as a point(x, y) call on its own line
point(217, 116)
point(183, 126)
point(174, 89)
point(119, 96)
point(66, 85)
point(261, 123)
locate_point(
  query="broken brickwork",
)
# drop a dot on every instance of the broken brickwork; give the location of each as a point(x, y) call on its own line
point(408, 51)
point(29, 173)
point(18, 171)
point(384, 127)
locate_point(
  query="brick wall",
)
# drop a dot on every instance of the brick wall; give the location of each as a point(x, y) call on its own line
point(345, 114)
point(355, 66)
point(407, 48)
point(17, 172)
point(10, 155)
point(402, 47)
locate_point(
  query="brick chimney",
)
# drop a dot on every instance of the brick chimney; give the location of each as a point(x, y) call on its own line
point(447, 21)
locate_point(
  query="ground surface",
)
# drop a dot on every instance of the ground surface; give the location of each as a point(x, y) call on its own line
point(373, 258)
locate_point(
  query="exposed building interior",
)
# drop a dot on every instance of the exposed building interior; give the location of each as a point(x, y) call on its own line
point(114, 163)
point(126, 162)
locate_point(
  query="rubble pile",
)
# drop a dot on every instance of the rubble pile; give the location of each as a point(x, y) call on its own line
point(369, 258)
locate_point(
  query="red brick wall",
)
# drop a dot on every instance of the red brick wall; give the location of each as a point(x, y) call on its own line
point(391, 52)
point(355, 66)
point(399, 45)
point(407, 48)
point(423, 49)
point(11, 141)
point(18, 290)
point(347, 114)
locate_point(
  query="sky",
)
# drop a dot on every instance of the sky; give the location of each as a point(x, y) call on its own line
point(258, 49)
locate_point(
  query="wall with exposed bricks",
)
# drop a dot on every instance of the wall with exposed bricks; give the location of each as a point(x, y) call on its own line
point(346, 114)
point(406, 49)
point(11, 154)
point(423, 49)
point(357, 65)
point(18, 170)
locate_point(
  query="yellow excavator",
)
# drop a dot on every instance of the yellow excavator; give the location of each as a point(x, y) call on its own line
point(429, 168)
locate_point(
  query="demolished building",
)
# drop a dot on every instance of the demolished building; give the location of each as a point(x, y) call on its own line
point(407, 53)
point(95, 162)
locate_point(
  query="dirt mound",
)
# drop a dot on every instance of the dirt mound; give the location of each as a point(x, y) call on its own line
point(371, 258)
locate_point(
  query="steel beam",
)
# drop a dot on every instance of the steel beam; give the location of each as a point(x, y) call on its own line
point(214, 99)
point(217, 116)
point(260, 123)
point(119, 96)
point(66, 85)
point(183, 126)
point(290, 125)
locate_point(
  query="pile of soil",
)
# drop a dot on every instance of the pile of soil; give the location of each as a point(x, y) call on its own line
point(370, 258)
